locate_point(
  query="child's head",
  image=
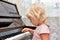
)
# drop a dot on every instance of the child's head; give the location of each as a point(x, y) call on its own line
point(36, 14)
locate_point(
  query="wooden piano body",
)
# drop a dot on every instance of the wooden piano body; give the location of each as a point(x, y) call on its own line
point(10, 20)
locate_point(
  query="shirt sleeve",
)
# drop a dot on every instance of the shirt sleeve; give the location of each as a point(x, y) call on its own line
point(44, 29)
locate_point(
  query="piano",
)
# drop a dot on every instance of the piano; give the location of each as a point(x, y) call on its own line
point(10, 20)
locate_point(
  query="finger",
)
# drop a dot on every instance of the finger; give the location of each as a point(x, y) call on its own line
point(22, 30)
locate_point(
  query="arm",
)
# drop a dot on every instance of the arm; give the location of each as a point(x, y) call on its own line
point(44, 33)
point(31, 31)
point(28, 30)
point(45, 36)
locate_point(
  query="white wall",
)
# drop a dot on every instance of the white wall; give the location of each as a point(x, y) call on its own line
point(50, 6)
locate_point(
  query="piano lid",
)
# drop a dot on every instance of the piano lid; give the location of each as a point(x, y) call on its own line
point(8, 9)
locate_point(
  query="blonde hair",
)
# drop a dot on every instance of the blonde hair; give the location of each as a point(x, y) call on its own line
point(40, 12)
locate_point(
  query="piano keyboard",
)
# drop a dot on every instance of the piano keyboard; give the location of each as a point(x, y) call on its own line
point(19, 37)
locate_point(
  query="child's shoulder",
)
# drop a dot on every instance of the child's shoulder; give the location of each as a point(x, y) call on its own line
point(42, 26)
point(42, 29)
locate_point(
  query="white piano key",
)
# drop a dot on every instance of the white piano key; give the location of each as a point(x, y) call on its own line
point(19, 37)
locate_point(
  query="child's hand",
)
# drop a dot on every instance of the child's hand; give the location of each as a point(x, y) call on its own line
point(28, 30)
point(25, 30)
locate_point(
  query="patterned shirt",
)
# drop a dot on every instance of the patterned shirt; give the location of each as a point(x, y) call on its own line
point(39, 30)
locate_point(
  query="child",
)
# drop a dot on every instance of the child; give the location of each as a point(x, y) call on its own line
point(36, 15)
